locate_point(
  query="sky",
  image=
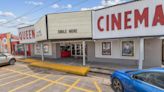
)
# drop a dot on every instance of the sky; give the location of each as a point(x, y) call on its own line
point(19, 13)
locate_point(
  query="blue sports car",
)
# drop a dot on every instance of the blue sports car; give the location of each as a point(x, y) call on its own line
point(148, 80)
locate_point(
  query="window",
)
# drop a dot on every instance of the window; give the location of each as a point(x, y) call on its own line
point(106, 48)
point(154, 78)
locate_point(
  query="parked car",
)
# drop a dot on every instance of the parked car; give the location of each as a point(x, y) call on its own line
point(6, 58)
point(148, 80)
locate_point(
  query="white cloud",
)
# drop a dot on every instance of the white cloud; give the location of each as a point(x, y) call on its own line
point(92, 8)
point(104, 4)
point(111, 2)
point(55, 6)
point(68, 6)
point(3, 21)
point(7, 14)
point(34, 3)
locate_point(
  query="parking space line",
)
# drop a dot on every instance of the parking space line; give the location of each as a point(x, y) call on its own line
point(97, 86)
point(8, 73)
point(73, 85)
point(29, 83)
point(12, 76)
point(14, 81)
point(50, 84)
point(79, 88)
point(53, 82)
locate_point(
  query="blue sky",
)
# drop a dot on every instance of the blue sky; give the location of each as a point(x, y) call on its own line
point(12, 9)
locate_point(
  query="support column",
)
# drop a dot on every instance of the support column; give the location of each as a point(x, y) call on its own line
point(75, 50)
point(141, 54)
point(42, 52)
point(25, 51)
point(84, 59)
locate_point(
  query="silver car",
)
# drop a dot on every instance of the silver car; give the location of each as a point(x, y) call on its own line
point(6, 58)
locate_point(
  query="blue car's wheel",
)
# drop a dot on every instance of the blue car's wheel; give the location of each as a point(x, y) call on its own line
point(117, 85)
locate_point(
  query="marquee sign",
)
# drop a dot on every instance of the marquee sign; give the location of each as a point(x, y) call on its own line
point(27, 34)
point(135, 19)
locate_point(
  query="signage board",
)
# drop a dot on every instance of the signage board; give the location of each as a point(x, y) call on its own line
point(71, 25)
point(41, 31)
point(134, 19)
point(27, 34)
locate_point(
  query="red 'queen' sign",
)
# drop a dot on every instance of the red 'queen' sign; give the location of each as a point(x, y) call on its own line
point(134, 19)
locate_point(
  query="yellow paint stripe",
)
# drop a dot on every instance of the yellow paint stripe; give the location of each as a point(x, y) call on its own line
point(73, 85)
point(63, 84)
point(97, 87)
point(34, 81)
point(14, 81)
point(49, 84)
point(79, 88)
point(12, 76)
point(8, 73)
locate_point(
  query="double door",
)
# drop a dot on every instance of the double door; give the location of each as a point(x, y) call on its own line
point(77, 50)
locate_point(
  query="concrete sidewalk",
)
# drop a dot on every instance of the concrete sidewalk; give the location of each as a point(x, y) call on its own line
point(74, 69)
point(96, 67)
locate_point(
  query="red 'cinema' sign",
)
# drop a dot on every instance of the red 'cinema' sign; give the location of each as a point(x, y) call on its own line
point(27, 35)
point(141, 18)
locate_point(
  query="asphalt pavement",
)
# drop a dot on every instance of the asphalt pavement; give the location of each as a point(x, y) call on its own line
point(23, 78)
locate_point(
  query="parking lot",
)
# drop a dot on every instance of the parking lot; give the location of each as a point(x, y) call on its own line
point(23, 78)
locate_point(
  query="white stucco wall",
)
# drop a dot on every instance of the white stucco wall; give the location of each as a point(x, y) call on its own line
point(38, 52)
point(116, 51)
point(79, 21)
point(40, 30)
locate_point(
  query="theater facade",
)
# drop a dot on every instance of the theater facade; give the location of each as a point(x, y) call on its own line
point(130, 33)
point(125, 34)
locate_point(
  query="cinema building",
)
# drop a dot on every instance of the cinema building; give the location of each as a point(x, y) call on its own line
point(129, 34)
point(63, 35)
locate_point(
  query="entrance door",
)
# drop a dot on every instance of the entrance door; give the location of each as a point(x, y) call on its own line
point(65, 50)
point(163, 52)
point(77, 50)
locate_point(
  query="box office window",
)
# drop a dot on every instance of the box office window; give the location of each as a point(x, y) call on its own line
point(106, 48)
point(127, 48)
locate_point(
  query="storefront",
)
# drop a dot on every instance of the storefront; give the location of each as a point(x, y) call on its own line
point(8, 43)
point(27, 40)
point(129, 34)
point(67, 33)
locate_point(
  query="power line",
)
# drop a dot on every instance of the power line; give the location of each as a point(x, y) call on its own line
point(31, 11)
point(75, 5)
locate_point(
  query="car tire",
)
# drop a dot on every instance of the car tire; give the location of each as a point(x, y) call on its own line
point(12, 61)
point(117, 85)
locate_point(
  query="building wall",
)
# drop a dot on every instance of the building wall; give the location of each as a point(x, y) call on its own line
point(116, 49)
point(91, 57)
point(153, 53)
point(72, 25)
point(40, 29)
point(51, 50)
